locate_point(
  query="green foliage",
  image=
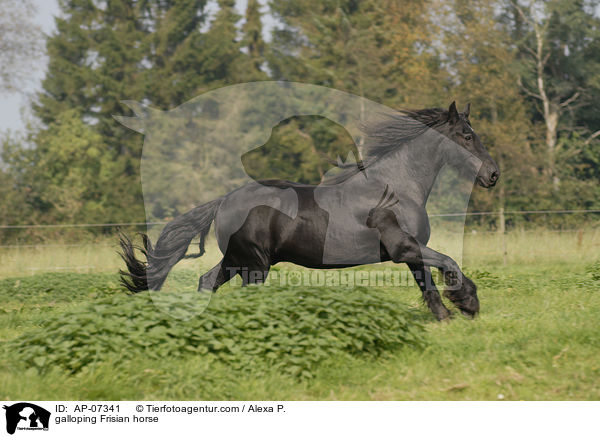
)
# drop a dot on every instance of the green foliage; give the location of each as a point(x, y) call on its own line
point(594, 271)
point(253, 38)
point(15, 183)
point(301, 149)
point(81, 165)
point(76, 176)
point(570, 35)
point(369, 48)
point(85, 166)
point(289, 331)
point(94, 62)
point(483, 278)
point(535, 339)
point(58, 287)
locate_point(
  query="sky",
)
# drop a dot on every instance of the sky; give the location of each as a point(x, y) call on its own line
point(12, 105)
point(14, 108)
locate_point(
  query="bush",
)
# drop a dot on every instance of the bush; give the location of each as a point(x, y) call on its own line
point(58, 287)
point(254, 328)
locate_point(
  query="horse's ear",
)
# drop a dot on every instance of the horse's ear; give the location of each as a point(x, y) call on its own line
point(467, 110)
point(453, 113)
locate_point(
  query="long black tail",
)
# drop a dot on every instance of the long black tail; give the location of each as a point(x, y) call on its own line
point(170, 248)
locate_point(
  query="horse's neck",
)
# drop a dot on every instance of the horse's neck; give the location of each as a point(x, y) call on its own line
point(411, 170)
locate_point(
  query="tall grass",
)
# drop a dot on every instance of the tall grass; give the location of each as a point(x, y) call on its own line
point(477, 249)
point(538, 246)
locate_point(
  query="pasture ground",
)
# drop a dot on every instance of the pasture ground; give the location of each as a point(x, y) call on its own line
point(537, 337)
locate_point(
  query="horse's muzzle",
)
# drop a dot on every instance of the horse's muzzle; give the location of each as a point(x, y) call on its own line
point(488, 177)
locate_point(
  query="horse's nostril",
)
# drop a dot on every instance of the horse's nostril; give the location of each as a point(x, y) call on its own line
point(494, 176)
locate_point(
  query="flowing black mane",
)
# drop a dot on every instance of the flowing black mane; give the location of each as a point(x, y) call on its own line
point(393, 130)
point(390, 131)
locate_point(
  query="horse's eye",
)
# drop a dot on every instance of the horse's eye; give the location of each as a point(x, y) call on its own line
point(468, 137)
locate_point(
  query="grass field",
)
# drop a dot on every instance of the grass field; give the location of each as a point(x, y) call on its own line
point(537, 337)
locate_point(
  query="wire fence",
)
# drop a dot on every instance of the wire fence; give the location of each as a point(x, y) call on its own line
point(81, 225)
point(499, 213)
point(500, 245)
point(456, 214)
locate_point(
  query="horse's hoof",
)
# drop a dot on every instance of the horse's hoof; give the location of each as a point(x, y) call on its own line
point(469, 314)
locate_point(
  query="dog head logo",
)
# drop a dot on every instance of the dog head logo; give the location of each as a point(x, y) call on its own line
point(26, 416)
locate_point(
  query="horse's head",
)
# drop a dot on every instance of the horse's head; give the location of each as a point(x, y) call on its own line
point(459, 130)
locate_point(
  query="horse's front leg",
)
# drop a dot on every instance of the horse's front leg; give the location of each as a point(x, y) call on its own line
point(404, 248)
point(431, 295)
point(461, 291)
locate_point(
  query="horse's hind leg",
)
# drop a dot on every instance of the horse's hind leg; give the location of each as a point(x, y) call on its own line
point(215, 277)
point(223, 272)
point(431, 295)
point(254, 274)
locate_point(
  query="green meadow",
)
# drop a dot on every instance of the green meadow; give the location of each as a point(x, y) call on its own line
point(68, 331)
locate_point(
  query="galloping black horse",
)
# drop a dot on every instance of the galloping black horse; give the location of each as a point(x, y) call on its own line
point(380, 204)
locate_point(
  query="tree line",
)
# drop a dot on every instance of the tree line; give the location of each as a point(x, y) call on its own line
point(529, 68)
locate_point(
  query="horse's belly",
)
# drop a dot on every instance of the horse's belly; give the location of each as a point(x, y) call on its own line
point(351, 245)
point(344, 251)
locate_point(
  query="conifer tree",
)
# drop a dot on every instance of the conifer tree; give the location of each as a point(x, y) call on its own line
point(175, 52)
point(369, 48)
point(253, 38)
point(94, 63)
point(224, 61)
